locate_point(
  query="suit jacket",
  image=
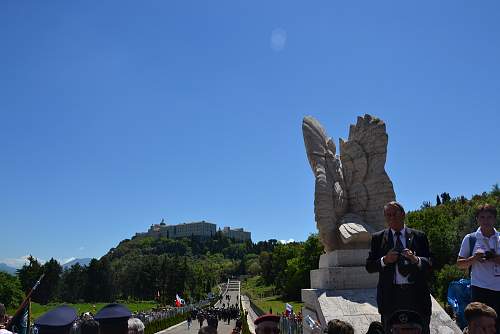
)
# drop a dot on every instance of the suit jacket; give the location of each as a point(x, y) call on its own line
point(417, 242)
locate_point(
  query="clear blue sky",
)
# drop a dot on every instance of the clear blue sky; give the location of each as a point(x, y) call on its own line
point(115, 114)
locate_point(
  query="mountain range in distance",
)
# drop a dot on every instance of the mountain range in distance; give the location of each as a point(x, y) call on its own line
point(7, 269)
point(12, 271)
point(81, 262)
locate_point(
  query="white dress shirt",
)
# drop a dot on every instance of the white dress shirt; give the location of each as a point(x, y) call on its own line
point(398, 278)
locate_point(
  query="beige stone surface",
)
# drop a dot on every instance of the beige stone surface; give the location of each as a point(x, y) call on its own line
point(342, 278)
point(351, 188)
point(344, 258)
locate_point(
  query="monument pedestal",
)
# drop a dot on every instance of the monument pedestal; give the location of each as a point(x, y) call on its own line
point(343, 269)
point(342, 289)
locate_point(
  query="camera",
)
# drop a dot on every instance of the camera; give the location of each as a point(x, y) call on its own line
point(488, 255)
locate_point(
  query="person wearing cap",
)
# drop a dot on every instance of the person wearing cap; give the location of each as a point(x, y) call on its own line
point(401, 256)
point(113, 319)
point(407, 322)
point(57, 321)
point(480, 319)
point(267, 324)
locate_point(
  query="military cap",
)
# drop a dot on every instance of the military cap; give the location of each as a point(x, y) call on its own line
point(267, 317)
point(113, 312)
point(58, 320)
point(405, 317)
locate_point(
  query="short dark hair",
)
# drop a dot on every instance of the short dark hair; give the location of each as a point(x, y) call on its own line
point(477, 309)
point(376, 327)
point(89, 326)
point(337, 326)
point(486, 208)
point(396, 204)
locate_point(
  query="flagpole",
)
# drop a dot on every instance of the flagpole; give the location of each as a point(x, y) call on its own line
point(28, 325)
point(25, 302)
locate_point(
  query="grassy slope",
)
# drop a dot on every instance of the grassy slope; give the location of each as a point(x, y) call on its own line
point(263, 296)
point(277, 304)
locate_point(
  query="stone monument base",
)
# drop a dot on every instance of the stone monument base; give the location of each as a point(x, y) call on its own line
point(359, 308)
point(343, 269)
point(342, 278)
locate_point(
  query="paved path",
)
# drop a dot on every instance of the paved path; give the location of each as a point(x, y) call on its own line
point(222, 328)
point(232, 289)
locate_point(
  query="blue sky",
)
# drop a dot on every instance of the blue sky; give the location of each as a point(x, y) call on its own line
point(116, 114)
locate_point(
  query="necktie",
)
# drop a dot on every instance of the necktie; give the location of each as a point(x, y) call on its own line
point(399, 243)
point(403, 266)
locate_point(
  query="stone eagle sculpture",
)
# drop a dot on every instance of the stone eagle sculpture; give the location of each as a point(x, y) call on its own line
point(352, 188)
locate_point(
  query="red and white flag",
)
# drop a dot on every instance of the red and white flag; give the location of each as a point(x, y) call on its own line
point(178, 301)
point(288, 309)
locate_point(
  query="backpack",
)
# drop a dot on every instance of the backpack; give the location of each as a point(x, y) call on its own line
point(472, 242)
point(458, 297)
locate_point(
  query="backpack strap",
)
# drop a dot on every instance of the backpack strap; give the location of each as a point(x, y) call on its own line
point(472, 242)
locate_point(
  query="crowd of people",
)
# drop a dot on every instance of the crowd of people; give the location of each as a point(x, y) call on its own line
point(213, 315)
point(291, 323)
point(168, 312)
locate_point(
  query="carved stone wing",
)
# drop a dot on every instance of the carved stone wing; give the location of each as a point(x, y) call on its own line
point(363, 158)
point(330, 202)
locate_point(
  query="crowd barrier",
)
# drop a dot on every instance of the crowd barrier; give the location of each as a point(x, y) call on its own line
point(291, 325)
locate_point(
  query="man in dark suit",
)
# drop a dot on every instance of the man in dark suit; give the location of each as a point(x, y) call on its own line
point(401, 256)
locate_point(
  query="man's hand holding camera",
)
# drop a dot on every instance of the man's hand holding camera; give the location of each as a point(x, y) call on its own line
point(410, 256)
point(482, 256)
point(393, 256)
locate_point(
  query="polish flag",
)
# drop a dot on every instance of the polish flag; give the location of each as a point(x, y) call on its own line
point(178, 301)
point(288, 309)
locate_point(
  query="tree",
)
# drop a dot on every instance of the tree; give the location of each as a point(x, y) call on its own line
point(445, 197)
point(266, 265)
point(11, 294)
point(49, 286)
point(495, 190)
point(29, 274)
point(99, 281)
point(425, 205)
point(438, 200)
point(73, 282)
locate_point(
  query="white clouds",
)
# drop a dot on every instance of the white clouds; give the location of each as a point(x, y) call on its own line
point(22, 260)
point(278, 39)
point(286, 241)
point(81, 248)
